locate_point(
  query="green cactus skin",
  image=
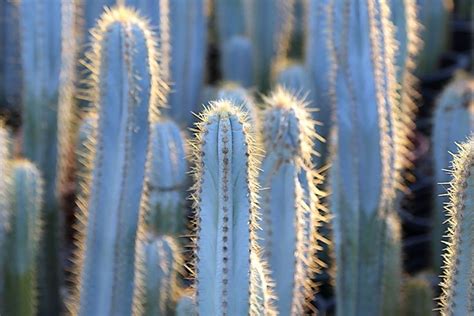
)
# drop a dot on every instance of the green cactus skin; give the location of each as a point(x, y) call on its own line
point(453, 121)
point(418, 298)
point(363, 174)
point(241, 98)
point(434, 16)
point(188, 38)
point(269, 25)
point(22, 241)
point(167, 179)
point(161, 264)
point(123, 56)
point(290, 203)
point(457, 283)
point(237, 62)
point(225, 202)
point(186, 307)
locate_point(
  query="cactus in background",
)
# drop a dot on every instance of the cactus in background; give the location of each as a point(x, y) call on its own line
point(188, 38)
point(290, 203)
point(237, 62)
point(457, 286)
point(84, 139)
point(230, 17)
point(25, 198)
point(453, 121)
point(123, 56)
point(225, 202)
point(186, 307)
point(418, 298)
point(157, 287)
point(269, 25)
point(294, 77)
point(241, 98)
point(434, 16)
point(363, 174)
point(167, 179)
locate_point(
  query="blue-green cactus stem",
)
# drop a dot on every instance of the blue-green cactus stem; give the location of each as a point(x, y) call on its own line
point(295, 77)
point(392, 278)
point(417, 297)
point(186, 307)
point(241, 98)
point(237, 62)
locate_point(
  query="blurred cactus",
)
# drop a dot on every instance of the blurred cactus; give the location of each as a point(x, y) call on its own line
point(188, 38)
point(365, 153)
point(225, 201)
point(290, 203)
point(25, 199)
point(230, 17)
point(241, 98)
point(186, 307)
point(167, 179)
point(84, 139)
point(434, 16)
point(453, 121)
point(457, 286)
point(294, 77)
point(237, 62)
point(123, 56)
point(418, 298)
point(157, 287)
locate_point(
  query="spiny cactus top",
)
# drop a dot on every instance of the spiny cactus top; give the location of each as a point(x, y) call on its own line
point(457, 296)
point(240, 97)
point(125, 91)
point(225, 201)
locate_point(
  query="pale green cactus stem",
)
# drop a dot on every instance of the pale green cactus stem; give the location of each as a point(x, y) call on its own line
point(225, 202)
point(417, 297)
point(291, 211)
point(167, 179)
point(157, 282)
point(452, 122)
point(113, 193)
point(457, 297)
point(25, 200)
point(363, 174)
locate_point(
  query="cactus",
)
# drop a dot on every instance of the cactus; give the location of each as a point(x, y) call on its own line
point(25, 197)
point(230, 17)
point(363, 173)
point(186, 307)
point(237, 62)
point(457, 284)
point(187, 24)
point(269, 25)
point(290, 204)
point(84, 139)
point(167, 179)
point(453, 121)
point(225, 202)
point(157, 287)
point(240, 97)
point(434, 16)
point(418, 298)
point(295, 77)
point(123, 56)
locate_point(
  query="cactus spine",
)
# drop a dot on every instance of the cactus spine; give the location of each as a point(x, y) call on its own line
point(225, 201)
point(453, 121)
point(241, 98)
point(186, 307)
point(363, 173)
point(457, 286)
point(25, 198)
point(418, 298)
point(167, 179)
point(123, 56)
point(290, 205)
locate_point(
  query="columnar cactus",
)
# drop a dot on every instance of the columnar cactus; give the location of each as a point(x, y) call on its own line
point(457, 286)
point(392, 277)
point(453, 121)
point(167, 179)
point(363, 173)
point(418, 298)
point(290, 203)
point(237, 62)
point(25, 199)
point(157, 286)
point(186, 307)
point(241, 98)
point(294, 77)
point(84, 139)
point(228, 279)
point(230, 17)
point(123, 56)
point(188, 34)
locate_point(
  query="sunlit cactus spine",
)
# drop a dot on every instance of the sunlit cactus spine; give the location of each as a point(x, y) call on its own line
point(291, 213)
point(363, 174)
point(457, 284)
point(25, 201)
point(240, 97)
point(452, 122)
point(417, 298)
point(227, 281)
point(157, 282)
point(188, 38)
point(167, 179)
point(113, 196)
point(237, 62)
point(84, 139)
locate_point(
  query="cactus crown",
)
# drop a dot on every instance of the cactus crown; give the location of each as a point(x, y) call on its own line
point(457, 296)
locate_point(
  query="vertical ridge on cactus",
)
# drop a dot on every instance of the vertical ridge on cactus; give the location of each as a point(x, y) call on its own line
point(457, 283)
point(225, 202)
point(291, 212)
point(418, 297)
point(293, 76)
point(25, 198)
point(113, 198)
